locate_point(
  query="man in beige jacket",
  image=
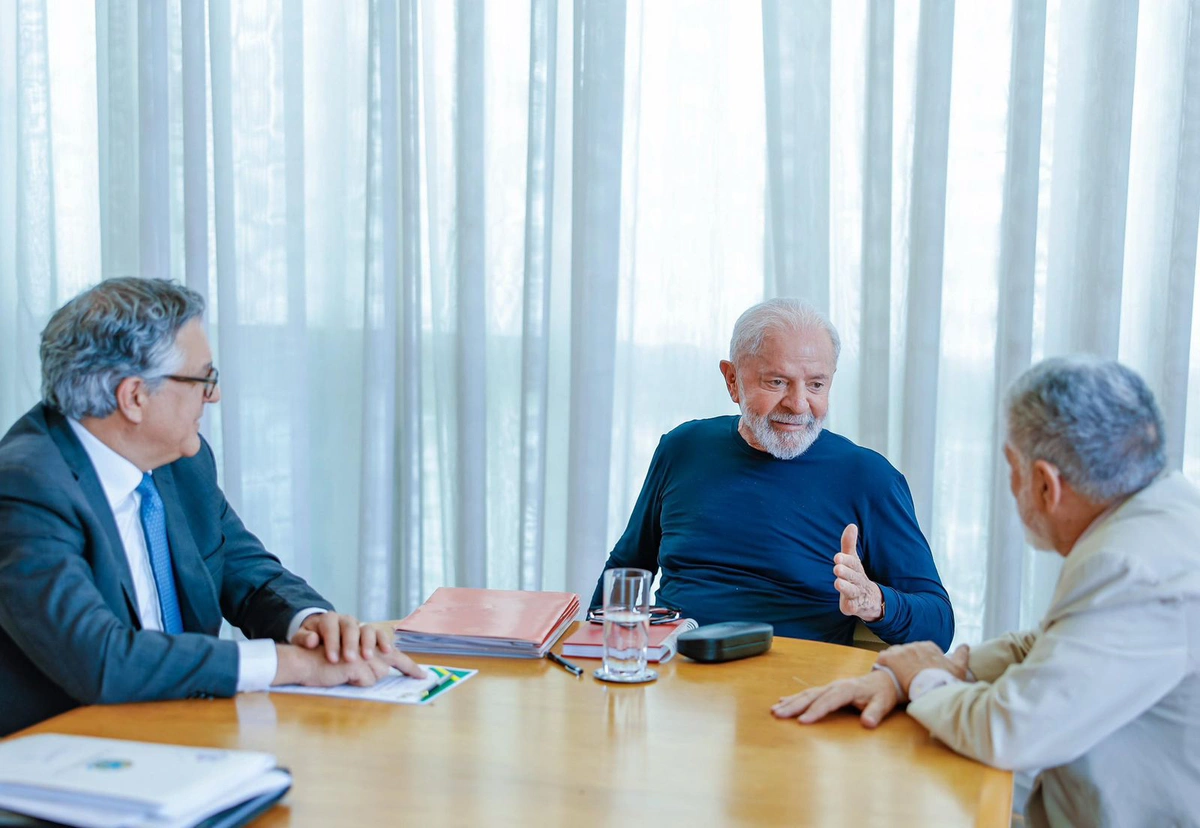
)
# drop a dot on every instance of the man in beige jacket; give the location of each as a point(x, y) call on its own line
point(1104, 697)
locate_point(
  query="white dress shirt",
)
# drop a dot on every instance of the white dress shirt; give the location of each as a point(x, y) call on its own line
point(257, 660)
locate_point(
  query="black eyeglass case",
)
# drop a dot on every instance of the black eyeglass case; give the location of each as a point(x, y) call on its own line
point(727, 641)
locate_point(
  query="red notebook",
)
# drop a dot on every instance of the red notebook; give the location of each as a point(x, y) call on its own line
point(489, 622)
point(588, 640)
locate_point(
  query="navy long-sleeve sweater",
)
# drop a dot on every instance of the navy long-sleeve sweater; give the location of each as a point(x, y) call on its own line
point(743, 536)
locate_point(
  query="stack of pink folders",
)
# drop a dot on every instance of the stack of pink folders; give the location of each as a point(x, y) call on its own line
point(588, 640)
point(487, 622)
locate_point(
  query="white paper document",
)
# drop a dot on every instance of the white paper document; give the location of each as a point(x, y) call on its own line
point(112, 783)
point(394, 688)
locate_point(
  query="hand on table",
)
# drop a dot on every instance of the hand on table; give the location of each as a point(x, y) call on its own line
point(310, 667)
point(343, 637)
point(874, 694)
point(859, 595)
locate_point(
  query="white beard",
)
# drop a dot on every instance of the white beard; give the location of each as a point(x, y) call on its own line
point(786, 445)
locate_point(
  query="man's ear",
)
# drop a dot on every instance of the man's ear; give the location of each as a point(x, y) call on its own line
point(730, 373)
point(131, 396)
point(1047, 485)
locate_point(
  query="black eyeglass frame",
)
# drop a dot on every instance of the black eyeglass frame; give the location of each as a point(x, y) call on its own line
point(209, 382)
point(658, 615)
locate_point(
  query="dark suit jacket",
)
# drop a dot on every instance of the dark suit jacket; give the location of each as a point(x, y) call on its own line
point(69, 627)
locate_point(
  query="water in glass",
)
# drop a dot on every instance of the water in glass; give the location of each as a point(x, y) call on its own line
point(626, 634)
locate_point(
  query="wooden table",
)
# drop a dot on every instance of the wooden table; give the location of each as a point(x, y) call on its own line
point(526, 743)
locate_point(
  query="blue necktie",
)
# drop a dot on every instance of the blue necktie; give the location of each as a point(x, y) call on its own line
point(154, 523)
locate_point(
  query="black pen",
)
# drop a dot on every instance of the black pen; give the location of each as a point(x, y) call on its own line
point(563, 663)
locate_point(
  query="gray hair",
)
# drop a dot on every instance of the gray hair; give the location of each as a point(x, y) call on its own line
point(1094, 419)
point(120, 328)
point(784, 314)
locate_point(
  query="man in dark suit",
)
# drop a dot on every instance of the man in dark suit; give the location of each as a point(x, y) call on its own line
point(119, 555)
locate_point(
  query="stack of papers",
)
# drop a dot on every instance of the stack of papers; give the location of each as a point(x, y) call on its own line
point(110, 783)
point(487, 622)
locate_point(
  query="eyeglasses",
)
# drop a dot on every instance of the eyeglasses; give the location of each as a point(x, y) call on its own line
point(210, 381)
point(658, 615)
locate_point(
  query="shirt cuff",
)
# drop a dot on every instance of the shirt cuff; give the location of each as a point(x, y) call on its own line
point(298, 619)
point(891, 603)
point(928, 679)
point(257, 664)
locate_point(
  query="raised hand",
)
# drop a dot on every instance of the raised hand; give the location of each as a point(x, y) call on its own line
point(859, 595)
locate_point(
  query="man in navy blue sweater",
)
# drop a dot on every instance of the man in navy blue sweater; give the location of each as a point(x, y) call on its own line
point(745, 515)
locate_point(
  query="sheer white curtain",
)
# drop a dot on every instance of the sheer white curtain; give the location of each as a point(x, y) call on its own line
point(467, 261)
point(1010, 181)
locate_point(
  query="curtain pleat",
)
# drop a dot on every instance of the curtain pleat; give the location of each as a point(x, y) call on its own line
point(12, 383)
point(195, 146)
point(118, 128)
point(32, 232)
point(154, 180)
point(926, 233)
point(875, 331)
point(599, 85)
point(439, 198)
point(35, 242)
point(380, 363)
point(470, 417)
point(223, 313)
point(409, 568)
point(796, 54)
point(1090, 161)
point(295, 257)
point(1014, 323)
point(1185, 222)
point(535, 336)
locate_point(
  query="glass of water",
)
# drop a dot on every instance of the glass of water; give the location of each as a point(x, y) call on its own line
point(626, 626)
